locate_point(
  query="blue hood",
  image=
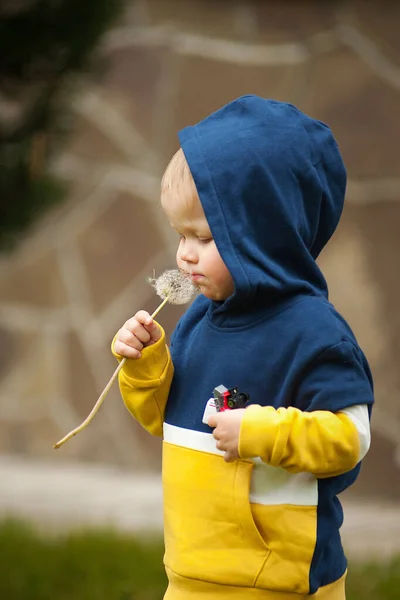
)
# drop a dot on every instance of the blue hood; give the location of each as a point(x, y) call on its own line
point(272, 184)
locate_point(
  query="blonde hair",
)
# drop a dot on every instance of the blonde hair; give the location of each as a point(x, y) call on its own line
point(177, 180)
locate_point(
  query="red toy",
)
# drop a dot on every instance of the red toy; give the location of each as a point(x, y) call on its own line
point(229, 399)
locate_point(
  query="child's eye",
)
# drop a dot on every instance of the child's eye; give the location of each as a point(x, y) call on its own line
point(205, 240)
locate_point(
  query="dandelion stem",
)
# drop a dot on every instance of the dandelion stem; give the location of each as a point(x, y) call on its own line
point(103, 393)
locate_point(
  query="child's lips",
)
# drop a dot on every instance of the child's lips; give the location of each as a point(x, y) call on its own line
point(196, 276)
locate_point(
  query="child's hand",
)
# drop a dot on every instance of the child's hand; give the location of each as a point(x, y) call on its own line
point(137, 333)
point(227, 429)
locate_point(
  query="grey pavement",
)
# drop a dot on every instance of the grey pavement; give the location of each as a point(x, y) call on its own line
point(59, 497)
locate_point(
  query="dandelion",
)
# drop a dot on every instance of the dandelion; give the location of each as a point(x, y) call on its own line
point(172, 286)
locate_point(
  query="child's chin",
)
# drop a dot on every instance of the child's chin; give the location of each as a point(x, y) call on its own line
point(213, 296)
point(206, 293)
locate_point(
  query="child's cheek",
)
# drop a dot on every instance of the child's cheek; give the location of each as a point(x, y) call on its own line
point(179, 261)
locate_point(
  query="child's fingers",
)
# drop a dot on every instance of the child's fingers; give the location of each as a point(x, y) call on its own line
point(212, 421)
point(149, 324)
point(136, 329)
point(132, 339)
point(143, 317)
point(154, 330)
point(127, 351)
point(230, 457)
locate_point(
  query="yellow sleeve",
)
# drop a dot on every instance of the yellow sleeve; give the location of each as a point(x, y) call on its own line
point(144, 384)
point(319, 442)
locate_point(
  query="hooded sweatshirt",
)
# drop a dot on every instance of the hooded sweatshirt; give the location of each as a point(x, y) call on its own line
point(272, 183)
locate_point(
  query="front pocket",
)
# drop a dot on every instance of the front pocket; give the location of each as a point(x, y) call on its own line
point(210, 533)
point(245, 517)
point(290, 532)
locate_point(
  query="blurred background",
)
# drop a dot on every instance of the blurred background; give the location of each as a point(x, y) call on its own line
point(92, 95)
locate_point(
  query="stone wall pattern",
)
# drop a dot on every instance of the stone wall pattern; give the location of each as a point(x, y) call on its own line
point(82, 270)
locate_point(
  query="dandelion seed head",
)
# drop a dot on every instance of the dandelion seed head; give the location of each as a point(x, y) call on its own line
point(175, 285)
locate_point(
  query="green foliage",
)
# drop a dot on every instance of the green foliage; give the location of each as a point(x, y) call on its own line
point(44, 44)
point(101, 565)
point(105, 565)
point(374, 581)
point(30, 199)
point(50, 37)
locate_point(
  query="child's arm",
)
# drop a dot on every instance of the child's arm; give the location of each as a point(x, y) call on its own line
point(320, 442)
point(146, 376)
point(328, 434)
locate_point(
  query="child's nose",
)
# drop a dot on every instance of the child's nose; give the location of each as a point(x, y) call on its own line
point(187, 252)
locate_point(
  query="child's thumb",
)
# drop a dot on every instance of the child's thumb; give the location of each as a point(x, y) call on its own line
point(153, 328)
point(212, 420)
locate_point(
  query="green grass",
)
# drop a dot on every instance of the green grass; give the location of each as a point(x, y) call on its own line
point(99, 565)
point(374, 581)
point(105, 565)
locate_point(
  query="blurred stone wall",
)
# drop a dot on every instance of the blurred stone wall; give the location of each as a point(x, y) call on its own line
point(83, 270)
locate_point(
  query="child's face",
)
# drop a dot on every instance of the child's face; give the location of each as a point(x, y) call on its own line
point(197, 253)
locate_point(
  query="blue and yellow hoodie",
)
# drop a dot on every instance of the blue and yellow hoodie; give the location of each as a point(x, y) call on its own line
point(272, 185)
